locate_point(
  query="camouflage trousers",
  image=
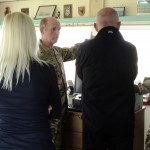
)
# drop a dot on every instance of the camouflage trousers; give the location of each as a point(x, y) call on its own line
point(147, 142)
point(56, 131)
point(57, 127)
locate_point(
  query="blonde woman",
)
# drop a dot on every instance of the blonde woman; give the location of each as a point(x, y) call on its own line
point(27, 87)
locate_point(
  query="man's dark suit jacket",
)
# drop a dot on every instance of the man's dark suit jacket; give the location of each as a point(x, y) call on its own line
point(107, 66)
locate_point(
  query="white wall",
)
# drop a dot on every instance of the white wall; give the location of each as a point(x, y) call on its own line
point(91, 6)
point(130, 5)
point(34, 4)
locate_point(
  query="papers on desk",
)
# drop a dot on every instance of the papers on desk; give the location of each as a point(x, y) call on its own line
point(76, 102)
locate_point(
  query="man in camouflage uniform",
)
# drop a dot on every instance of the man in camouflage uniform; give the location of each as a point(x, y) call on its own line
point(50, 28)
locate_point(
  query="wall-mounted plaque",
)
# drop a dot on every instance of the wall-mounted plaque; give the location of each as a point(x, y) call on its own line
point(25, 10)
point(68, 11)
point(81, 10)
point(7, 10)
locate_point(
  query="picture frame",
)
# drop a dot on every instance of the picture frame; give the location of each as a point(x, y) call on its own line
point(120, 11)
point(143, 7)
point(25, 10)
point(68, 11)
point(45, 11)
point(81, 10)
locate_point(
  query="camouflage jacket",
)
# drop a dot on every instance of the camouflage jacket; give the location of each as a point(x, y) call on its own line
point(56, 56)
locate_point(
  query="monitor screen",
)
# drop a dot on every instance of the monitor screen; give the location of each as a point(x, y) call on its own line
point(77, 84)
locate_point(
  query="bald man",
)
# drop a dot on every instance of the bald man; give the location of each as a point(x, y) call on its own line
point(107, 66)
point(50, 30)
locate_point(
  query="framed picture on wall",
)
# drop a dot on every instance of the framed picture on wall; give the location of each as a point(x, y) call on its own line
point(68, 11)
point(45, 11)
point(143, 7)
point(120, 11)
point(25, 10)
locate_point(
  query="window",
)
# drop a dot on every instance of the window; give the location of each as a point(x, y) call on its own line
point(68, 37)
point(139, 35)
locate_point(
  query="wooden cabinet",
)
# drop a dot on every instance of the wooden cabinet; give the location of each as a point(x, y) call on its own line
point(72, 139)
point(139, 129)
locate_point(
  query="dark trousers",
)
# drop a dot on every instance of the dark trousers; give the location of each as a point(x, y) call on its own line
point(107, 140)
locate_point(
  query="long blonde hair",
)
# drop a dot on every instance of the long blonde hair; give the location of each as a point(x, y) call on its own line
point(18, 45)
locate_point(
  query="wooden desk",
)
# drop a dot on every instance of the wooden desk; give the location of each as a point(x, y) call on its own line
point(139, 129)
point(73, 131)
point(72, 139)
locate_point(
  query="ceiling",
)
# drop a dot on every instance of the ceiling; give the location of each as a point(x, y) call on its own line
point(1, 1)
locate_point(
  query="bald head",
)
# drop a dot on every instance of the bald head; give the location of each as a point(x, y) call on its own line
point(107, 17)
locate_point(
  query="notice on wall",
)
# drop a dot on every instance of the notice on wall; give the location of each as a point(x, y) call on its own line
point(143, 7)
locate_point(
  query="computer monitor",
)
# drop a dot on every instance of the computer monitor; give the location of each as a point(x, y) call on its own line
point(77, 84)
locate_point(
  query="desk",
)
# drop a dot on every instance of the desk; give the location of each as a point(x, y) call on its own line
point(73, 130)
point(139, 129)
point(72, 139)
